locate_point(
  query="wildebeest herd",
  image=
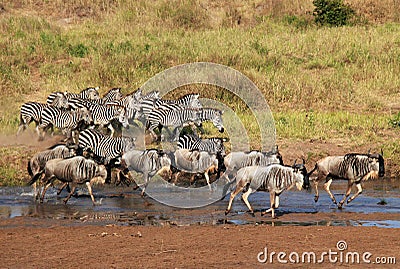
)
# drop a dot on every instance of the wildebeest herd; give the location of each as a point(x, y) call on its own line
point(94, 148)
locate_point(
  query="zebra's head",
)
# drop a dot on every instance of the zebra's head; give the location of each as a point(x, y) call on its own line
point(193, 101)
point(85, 115)
point(60, 100)
point(302, 179)
point(129, 144)
point(113, 95)
point(91, 93)
point(123, 117)
point(213, 115)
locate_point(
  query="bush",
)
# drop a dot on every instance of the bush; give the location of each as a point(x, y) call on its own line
point(332, 12)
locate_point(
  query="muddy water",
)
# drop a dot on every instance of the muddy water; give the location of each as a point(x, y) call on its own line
point(124, 206)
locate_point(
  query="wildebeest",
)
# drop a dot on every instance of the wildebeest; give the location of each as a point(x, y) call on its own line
point(148, 162)
point(195, 161)
point(75, 170)
point(274, 178)
point(236, 160)
point(352, 167)
point(38, 161)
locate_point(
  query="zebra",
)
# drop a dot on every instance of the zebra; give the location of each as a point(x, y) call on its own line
point(170, 118)
point(130, 104)
point(75, 170)
point(105, 147)
point(274, 178)
point(32, 111)
point(112, 95)
point(353, 167)
point(65, 120)
point(211, 145)
point(88, 93)
point(104, 116)
point(149, 162)
point(213, 115)
point(187, 101)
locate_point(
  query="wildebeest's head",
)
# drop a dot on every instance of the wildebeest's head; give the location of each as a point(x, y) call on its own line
point(300, 168)
point(377, 163)
point(165, 162)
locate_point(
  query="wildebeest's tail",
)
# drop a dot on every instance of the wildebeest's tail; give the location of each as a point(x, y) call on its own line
point(312, 171)
point(227, 186)
point(30, 169)
point(36, 177)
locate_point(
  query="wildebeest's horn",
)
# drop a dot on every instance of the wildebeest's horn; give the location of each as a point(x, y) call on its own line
point(294, 162)
point(304, 161)
point(381, 151)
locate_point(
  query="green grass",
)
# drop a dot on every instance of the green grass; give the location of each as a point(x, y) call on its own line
point(320, 82)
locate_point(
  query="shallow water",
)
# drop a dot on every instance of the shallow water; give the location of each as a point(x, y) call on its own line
point(124, 206)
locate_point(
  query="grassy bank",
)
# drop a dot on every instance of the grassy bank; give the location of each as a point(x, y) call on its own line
point(320, 82)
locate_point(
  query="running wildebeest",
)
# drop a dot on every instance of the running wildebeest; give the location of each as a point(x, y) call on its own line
point(352, 167)
point(75, 170)
point(274, 178)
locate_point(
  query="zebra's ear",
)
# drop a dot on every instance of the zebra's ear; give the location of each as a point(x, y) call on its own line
point(222, 112)
point(97, 88)
point(294, 162)
point(382, 152)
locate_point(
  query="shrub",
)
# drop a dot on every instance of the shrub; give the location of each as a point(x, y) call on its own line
point(332, 12)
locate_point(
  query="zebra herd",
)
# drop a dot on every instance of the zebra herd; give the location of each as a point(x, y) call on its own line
point(95, 146)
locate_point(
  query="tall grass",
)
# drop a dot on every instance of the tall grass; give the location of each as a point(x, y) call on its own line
point(319, 82)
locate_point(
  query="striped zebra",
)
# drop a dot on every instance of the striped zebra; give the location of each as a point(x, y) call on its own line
point(211, 145)
point(352, 167)
point(103, 146)
point(170, 118)
point(130, 104)
point(88, 93)
point(65, 120)
point(104, 116)
point(213, 115)
point(187, 101)
point(111, 96)
point(274, 178)
point(32, 111)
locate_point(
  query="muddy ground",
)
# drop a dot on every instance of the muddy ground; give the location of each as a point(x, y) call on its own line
point(31, 242)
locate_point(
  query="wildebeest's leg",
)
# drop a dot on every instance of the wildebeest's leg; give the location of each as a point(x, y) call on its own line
point(61, 188)
point(349, 185)
point(326, 187)
point(146, 178)
point(45, 189)
point(239, 187)
point(245, 197)
point(207, 179)
point(359, 191)
point(70, 194)
point(316, 196)
point(89, 186)
point(272, 197)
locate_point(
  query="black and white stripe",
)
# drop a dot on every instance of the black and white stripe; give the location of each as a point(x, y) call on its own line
point(211, 145)
point(63, 119)
point(88, 93)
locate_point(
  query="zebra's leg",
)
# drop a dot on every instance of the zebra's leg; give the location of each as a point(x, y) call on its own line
point(359, 191)
point(22, 127)
point(146, 178)
point(70, 193)
point(245, 197)
point(239, 187)
point(276, 201)
point(326, 187)
point(348, 191)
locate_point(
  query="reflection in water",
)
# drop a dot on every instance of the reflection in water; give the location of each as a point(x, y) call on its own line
point(123, 206)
